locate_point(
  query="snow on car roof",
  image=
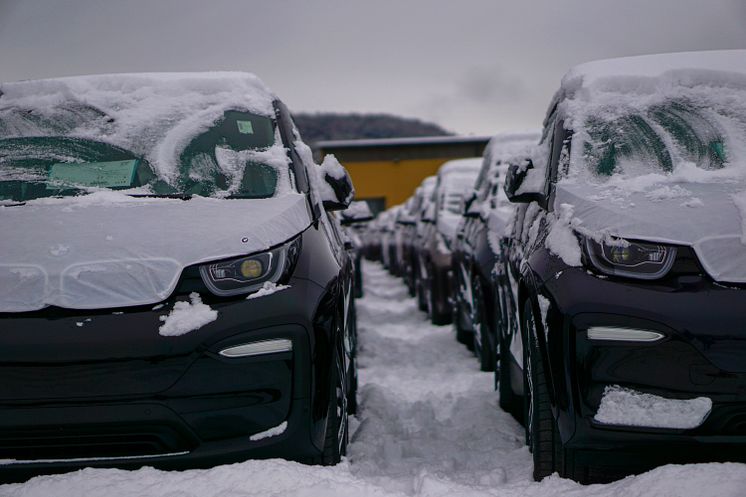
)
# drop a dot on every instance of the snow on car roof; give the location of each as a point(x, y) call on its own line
point(657, 65)
point(460, 165)
point(509, 147)
point(154, 115)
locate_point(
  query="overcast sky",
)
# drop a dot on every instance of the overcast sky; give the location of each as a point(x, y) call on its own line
point(472, 66)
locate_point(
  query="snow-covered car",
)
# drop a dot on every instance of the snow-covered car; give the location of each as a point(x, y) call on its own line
point(455, 182)
point(172, 292)
point(408, 234)
point(476, 248)
point(388, 238)
point(627, 268)
point(419, 231)
point(354, 221)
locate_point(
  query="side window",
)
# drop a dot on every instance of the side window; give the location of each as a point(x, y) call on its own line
point(558, 143)
point(289, 134)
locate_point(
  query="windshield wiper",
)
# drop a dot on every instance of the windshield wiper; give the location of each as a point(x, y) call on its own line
point(11, 203)
point(180, 196)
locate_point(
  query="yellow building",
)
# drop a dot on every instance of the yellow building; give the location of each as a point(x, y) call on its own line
point(386, 172)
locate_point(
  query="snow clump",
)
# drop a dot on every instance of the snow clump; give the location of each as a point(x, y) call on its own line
point(187, 316)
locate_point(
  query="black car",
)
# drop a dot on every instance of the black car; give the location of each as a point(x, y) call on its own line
point(455, 181)
point(354, 221)
point(172, 291)
point(476, 248)
point(408, 228)
point(626, 269)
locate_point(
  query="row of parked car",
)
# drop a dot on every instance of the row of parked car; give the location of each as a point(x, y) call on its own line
point(599, 266)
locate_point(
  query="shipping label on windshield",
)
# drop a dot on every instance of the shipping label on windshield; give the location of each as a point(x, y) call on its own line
point(115, 174)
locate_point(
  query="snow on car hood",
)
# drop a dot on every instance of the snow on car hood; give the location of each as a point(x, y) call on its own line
point(108, 249)
point(705, 216)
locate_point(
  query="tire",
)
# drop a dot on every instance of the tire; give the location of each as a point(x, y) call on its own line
point(543, 437)
point(352, 390)
point(336, 438)
point(482, 340)
point(463, 335)
point(436, 317)
point(508, 399)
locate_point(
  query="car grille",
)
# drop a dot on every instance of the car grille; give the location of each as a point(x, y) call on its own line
point(58, 443)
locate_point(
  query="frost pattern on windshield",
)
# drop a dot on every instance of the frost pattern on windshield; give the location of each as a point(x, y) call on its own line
point(216, 128)
point(632, 127)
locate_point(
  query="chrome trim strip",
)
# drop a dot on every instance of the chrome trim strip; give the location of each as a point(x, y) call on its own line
point(10, 462)
point(611, 333)
point(260, 347)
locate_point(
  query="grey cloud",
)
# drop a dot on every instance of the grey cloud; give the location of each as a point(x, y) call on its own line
point(476, 66)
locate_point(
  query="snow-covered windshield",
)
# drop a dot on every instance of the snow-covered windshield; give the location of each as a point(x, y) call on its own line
point(455, 187)
point(658, 138)
point(211, 134)
point(234, 158)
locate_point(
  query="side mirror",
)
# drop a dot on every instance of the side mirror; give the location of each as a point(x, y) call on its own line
point(356, 212)
point(428, 215)
point(471, 206)
point(514, 179)
point(336, 188)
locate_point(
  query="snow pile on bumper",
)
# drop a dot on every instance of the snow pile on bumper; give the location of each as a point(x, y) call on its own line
point(626, 407)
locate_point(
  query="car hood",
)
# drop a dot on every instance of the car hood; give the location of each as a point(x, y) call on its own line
point(107, 250)
point(705, 216)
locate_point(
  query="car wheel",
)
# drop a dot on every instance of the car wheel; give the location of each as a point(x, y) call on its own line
point(463, 335)
point(437, 317)
point(482, 341)
point(352, 390)
point(540, 426)
point(335, 441)
point(508, 399)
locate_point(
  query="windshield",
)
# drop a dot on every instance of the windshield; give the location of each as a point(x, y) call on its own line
point(455, 188)
point(657, 139)
point(239, 156)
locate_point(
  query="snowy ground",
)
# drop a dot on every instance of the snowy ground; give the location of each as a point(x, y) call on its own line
point(429, 425)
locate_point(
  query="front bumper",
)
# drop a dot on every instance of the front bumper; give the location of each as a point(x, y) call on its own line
point(113, 392)
point(702, 354)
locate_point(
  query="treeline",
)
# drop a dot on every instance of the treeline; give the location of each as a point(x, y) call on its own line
point(331, 126)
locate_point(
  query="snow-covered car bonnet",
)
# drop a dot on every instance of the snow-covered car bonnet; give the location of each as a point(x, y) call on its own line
point(108, 250)
point(104, 247)
point(658, 153)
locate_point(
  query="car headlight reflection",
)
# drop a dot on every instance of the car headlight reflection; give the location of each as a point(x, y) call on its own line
point(648, 261)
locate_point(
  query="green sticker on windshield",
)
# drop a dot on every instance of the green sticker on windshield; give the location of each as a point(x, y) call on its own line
point(116, 174)
point(245, 127)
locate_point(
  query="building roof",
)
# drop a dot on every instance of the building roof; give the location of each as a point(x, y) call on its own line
point(399, 142)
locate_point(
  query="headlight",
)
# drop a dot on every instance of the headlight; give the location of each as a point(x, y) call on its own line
point(249, 273)
point(647, 261)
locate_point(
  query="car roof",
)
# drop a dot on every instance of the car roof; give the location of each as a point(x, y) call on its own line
point(641, 74)
point(460, 165)
point(657, 65)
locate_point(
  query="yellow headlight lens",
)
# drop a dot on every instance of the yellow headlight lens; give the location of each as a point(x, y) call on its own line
point(620, 254)
point(251, 268)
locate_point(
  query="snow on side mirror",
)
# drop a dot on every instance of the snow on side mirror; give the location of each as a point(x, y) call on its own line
point(357, 212)
point(515, 178)
point(471, 206)
point(428, 215)
point(337, 191)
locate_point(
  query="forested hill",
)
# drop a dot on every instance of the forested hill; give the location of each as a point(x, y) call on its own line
point(331, 126)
